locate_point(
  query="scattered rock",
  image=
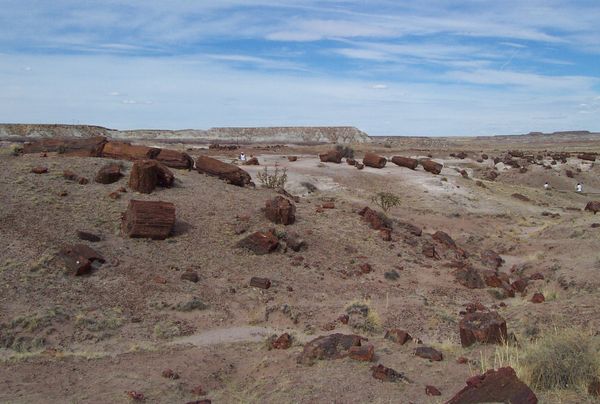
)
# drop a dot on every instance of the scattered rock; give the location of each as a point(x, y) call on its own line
point(587, 156)
point(519, 285)
point(190, 275)
point(536, 277)
point(374, 160)
point(79, 259)
point(521, 197)
point(429, 353)
point(114, 195)
point(148, 219)
point(259, 243)
point(252, 162)
point(386, 234)
point(39, 170)
point(109, 174)
point(366, 268)
point(492, 258)
point(405, 162)
point(469, 277)
point(169, 374)
point(280, 210)
point(328, 205)
point(538, 298)
point(482, 327)
point(376, 221)
point(71, 176)
point(294, 241)
point(432, 391)
point(198, 390)
point(87, 236)
point(359, 166)
point(593, 206)
point(431, 166)
point(332, 156)
point(461, 360)
point(261, 283)
point(225, 171)
point(284, 341)
point(497, 386)
point(292, 158)
point(364, 353)
point(429, 251)
point(398, 336)
point(334, 346)
point(135, 395)
point(386, 374)
point(350, 162)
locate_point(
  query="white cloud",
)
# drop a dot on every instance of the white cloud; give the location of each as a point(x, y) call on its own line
point(379, 87)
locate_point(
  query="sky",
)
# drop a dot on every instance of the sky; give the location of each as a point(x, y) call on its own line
point(428, 67)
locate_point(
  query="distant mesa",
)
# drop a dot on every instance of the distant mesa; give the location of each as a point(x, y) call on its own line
point(291, 134)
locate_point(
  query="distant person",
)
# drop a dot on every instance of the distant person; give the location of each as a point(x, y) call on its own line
point(579, 187)
point(242, 156)
point(546, 186)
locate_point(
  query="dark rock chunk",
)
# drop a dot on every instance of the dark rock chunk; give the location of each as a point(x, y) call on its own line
point(259, 243)
point(429, 353)
point(482, 327)
point(334, 346)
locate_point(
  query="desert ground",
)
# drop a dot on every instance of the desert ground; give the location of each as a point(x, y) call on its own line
point(97, 338)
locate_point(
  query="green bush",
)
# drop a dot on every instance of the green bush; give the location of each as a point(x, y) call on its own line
point(386, 200)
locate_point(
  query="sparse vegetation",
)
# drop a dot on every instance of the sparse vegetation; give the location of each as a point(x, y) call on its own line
point(386, 200)
point(191, 305)
point(275, 179)
point(346, 151)
point(310, 187)
point(392, 275)
point(363, 317)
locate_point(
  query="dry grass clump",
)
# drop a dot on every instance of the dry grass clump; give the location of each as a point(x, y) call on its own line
point(386, 200)
point(275, 179)
point(363, 317)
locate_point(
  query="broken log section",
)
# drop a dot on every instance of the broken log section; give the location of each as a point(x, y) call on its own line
point(148, 219)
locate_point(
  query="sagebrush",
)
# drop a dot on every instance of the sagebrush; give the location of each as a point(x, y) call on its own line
point(386, 200)
point(275, 179)
point(346, 151)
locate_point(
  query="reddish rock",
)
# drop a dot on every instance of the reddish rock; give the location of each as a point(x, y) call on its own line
point(386, 234)
point(432, 391)
point(261, 283)
point(114, 195)
point(375, 220)
point(83, 147)
point(386, 374)
point(469, 277)
point(569, 173)
point(136, 395)
point(327, 347)
point(482, 327)
point(331, 156)
point(127, 151)
point(366, 268)
point(447, 241)
point(259, 243)
point(374, 160)
point(405, 162)
point(87, 236)
point(147, 174)
point(108, 174)
point(538, 298)
point(39, 170)
point(429, 251)
point(71, 176)
point(252, 162)
point(429, 353)
point(398, 336)
point(492, 258)
point(409, 228)
point(79, 258)
point(198, 390)
point(148, 219)
point(344, 318)
point(328, 205)
point(462, 360)
point(280, 210)
point(292, 158)
point(225, 171)
point(491, 279)
point(431, 166)
point(587, 156)
point(169, 374)
point(495, 386)
point(536, 277)
point(593, 206)
point(191, 276)
point(507, 289)
point(364, 353)
point(175, 159)
point(284, 341)
point(520, 285)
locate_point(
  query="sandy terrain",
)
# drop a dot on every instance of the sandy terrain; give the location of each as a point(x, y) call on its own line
point(93, 338)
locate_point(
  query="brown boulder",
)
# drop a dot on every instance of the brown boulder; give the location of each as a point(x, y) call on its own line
point(448, 242)
point(191, 276)
point(520, 285)
point(432, 391)
point(334, 346)
point(109, 174)
point(280, 210)
point(491, 279)
point(538, 298)
point(292, 158)
point(39, 170)
point(147, 174)
point(252, 162)
point(386, 374)
point(593, 206)
point(374, 160)
point(398, 336)
point(364, 353)
point(331, 156)
point(71, 176)
point(225, 171)
point(405, 162)
point(79, 258)
point(261, 283)
point(148, 219)
point(429, 353)
point(174, 159)
point(350, 161)
point(431, 166)
point(495, 386)
point(491, 258)
point(482, 327)
point(259, 243)
point(373, 218)
point(284, 341)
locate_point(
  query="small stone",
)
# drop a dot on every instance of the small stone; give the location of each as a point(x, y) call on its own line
point(386, 374)
point(429, 353)
point(169, 374)
point(462, 360)
point(39, 170)
point(432, 391)
point(284, 341)
point(198, 390)
point(190, 276)
point(398, 336)
point(538, 298)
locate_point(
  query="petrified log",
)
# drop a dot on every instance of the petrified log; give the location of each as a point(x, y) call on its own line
point(78, 258)
point(108, 174)
point(292, 158)
point(431, 166)
point(429, 353)
point(280, 210)
point(331, 156)
point(259, 243)
point(252, 162)
point(83, 147)
point(495, 386)
point(71, 176)
point(587, 156)
point(334, 346)
point(405, 162)
point(148, 219)
point(374, 160)
point(261, 283)
point(593, 206)
point(39, 170)
point(225, 171)
point(127, 151)
point(482, 327)
point(398, 336)
point(147, 174)
point(175, 159)
point(386, 374)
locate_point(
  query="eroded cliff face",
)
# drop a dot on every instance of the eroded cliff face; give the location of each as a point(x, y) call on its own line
point(301, 135)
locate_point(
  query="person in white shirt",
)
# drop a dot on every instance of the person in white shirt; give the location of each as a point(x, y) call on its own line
point(579, 187)
point(546, 186)
point(242, 156)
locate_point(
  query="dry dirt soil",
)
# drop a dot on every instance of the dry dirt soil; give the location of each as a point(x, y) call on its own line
point(92, 339)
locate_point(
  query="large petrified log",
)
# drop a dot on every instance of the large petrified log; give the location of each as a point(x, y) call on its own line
point(148, 219)
point(127, 151)
point(108, 174)
point(175, 159)
point(147, 174)
point(405, 162)
point(431, 166)
point(280, 210)
point(374, 160)
point(331, 156)
point(593, 206)
point(225, 171)
point(84, 147)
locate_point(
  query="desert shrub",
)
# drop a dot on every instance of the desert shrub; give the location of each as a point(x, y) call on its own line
point(15, 150)
point(363, 317)
point(346, 151)
point(193, 304)
point(276, 179)
point(309, 186)
point(561, 359)
point(387, 145)
point(61, 149)
point(386, 200)
point(392, 275)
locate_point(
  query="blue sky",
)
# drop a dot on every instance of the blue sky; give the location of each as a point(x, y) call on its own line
point(430, 67)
